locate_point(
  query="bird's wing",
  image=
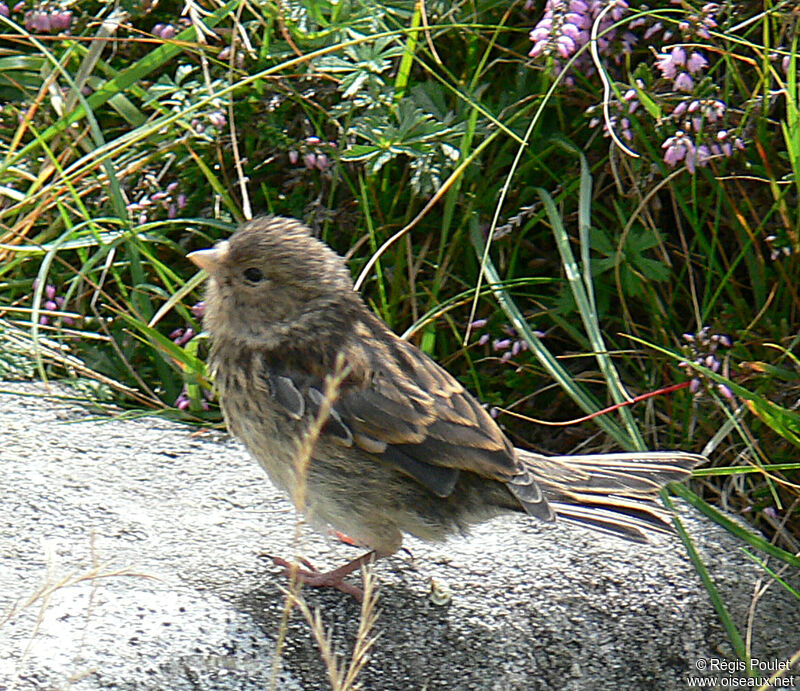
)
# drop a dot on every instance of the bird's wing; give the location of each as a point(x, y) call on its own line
point(400, 406)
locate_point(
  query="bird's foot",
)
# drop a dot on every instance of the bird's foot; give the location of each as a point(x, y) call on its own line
point(327, 579)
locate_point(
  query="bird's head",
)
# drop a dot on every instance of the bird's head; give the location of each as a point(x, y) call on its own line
point(271, 283)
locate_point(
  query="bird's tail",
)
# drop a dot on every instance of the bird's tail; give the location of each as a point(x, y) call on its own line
point(614, 493)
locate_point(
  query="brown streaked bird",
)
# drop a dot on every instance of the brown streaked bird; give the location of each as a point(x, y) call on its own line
point(405, 448)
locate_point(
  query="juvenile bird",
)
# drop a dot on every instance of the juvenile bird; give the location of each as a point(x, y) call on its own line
point(404, 448)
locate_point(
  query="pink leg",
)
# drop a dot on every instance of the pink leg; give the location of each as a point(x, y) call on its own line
point(329, 579)
point(346, 539)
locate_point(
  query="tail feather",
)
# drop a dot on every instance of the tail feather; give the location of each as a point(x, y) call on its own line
point(614, 493)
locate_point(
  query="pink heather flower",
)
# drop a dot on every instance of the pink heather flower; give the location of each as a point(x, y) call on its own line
point(41, 22)
point(4, 12)
point(322, 162)
point(683, 82)
point(725, 391)
point(582, 21)
point(667, 65)
point(680, 148)
point(218, 119)
point(484, 339)
point(654, 29)
point(540, 33)
point(703, 155)
point(478, 324)
point(576, 34)
point(294, 157)
point(61, 20)
point(538, 48)
point(565, 46)
point(696, 62)
point(198, 309)
point(310, 160)
point(503, 344)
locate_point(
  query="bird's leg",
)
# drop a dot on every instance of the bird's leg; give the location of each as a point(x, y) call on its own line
point(330, 579)
point(345, 539)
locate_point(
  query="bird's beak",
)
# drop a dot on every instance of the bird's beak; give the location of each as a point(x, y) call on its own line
point(210, 259)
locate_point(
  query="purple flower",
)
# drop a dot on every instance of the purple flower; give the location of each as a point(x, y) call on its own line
point(39, 22)
point(565, 46)
point(478, 324)
point(667, 65)
point(199, 309)
point(4, 12)
point(653, 30)
point(696, 63)
point(683, 82)
point(725, 392)
point(484, 339)
point(679, 148)
point(503, 344)
point(61, 20)
point(218, 119)
point(165, 31)
point(322, 162)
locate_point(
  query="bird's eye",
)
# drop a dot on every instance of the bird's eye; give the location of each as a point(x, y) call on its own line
point(253, 275)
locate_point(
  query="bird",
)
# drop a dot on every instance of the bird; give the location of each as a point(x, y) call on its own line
point(366, 433)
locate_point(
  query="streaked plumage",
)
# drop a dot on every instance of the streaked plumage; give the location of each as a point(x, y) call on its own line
point(405, 449)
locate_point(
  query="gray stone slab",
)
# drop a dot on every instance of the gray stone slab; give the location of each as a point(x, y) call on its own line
point(160, 536)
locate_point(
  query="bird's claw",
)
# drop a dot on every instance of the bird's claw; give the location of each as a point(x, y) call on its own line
point(316, 579)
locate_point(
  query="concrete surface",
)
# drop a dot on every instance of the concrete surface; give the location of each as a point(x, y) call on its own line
point(158, 537)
